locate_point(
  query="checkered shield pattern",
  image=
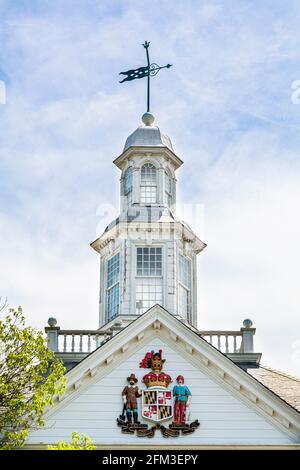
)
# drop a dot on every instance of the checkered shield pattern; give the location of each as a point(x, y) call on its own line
point(157, 404)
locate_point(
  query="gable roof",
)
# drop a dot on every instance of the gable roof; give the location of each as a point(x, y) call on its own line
point(285, 386)
point(188, 342)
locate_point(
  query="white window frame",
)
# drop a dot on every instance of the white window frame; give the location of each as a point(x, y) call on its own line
point(128, 192)
point(110, 288)
point(168, 189)
point(149, 261)
point(151, 184)
point(186, 287)
point(137, 278)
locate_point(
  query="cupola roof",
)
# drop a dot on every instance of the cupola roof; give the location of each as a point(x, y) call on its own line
point(148, 135)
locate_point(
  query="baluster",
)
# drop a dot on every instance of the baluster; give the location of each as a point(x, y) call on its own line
point(234, 344)
point(73, 343)
point(80, 343)
point(96, 341)
point(210, 339)
point(219, 342)
point(89, 343)
point(226, 344)
point(65, 343)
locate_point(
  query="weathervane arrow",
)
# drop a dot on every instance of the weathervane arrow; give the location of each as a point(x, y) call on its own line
point(149, 71)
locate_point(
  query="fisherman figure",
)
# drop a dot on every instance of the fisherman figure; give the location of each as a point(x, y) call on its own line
point(130, 394)
point(182, 399)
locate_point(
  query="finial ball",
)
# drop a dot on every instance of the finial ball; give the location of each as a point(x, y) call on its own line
point(247, 323)
point(52, 321)
point(148, 119)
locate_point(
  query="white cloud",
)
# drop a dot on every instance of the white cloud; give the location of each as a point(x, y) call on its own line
point(251, 265)
point(226, 103)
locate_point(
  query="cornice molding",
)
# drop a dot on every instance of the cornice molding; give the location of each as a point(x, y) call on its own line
point(196, 350)
point(177, 228)
point(148, 151)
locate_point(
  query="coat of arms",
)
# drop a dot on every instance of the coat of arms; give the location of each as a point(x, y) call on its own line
point(157, 400)
point(159, 403)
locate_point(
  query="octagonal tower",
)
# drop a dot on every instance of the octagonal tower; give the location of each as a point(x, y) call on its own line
point(148, 255)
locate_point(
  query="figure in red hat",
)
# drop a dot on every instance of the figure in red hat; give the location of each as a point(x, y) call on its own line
point(182, 399)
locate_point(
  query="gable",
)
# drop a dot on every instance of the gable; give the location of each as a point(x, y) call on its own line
point(225, 417)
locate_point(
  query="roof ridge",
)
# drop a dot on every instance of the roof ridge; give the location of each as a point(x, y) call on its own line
point(279, 372)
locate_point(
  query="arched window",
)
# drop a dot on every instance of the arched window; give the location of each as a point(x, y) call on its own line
point(128, 185)
point(148, 184)
point(168, 189)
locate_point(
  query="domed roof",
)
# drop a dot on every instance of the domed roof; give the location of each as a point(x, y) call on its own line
point(148, 135)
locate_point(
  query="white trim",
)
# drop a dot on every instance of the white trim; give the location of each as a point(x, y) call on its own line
point(170, 447)
point(190, 290)
point(106, 259)
point(151, 152)
point(141, 244)
point(178, 229)
point(206, 358)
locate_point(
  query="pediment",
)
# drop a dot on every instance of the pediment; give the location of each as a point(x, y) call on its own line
point(157, 326)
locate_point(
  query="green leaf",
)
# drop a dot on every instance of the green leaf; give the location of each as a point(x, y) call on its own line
point(30, 378)
point(78, 442)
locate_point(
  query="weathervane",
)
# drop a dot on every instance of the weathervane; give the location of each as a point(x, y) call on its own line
point(149, 71)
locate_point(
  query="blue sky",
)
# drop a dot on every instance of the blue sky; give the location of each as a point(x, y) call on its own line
point(226, 104)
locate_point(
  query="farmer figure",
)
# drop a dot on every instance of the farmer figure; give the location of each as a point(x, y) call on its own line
point(130, 394)
point(182, 397)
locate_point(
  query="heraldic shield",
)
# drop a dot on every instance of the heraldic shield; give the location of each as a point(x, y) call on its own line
point(157, 404)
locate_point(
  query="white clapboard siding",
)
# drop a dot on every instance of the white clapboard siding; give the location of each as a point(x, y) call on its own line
point(224, 418)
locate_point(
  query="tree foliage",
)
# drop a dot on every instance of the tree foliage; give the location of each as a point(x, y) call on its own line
point(30, 377)
point(79, 442)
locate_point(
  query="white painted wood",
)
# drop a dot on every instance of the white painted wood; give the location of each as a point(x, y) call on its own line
point(224, 418)
point(160, 220)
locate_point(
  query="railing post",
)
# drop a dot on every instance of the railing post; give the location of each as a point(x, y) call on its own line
point(116, 327)
point(248, 332)
point(52, 334)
